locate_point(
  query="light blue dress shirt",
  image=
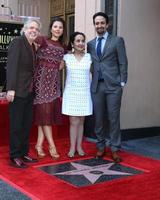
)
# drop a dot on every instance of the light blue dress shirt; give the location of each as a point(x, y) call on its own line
point(103, 41)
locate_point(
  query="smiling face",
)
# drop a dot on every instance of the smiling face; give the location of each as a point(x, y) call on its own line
point(31, 31)
point(79, 43)
point(57, 30)
point(100, 25)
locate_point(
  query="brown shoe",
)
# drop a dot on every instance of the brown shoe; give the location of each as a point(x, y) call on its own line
point(100, 154)
point(116, 157)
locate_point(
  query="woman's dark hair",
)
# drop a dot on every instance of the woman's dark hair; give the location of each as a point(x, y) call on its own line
point(101, 14)
point(63, 37)
point(72, 38)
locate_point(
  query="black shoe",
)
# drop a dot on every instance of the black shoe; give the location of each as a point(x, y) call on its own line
point(17, 162)
point(28, 159)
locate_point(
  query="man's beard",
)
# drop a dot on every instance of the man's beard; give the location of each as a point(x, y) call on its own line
point(101, 31)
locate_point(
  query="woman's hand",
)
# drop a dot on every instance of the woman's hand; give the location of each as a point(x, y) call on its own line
point(62, 65)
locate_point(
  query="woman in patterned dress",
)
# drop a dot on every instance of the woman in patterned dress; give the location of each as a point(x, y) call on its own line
point(77, 97)
point(47, 85)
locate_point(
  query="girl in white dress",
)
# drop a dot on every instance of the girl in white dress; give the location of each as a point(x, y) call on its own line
point(77, 101)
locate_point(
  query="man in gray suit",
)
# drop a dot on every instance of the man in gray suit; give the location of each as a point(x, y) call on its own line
point(109, 77)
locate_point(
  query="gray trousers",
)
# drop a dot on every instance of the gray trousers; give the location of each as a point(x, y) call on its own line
point(107, 105)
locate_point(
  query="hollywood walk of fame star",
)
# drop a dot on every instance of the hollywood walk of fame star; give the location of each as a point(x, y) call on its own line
point(92, 173)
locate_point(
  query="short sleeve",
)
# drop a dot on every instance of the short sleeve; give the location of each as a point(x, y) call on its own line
point(65, 57)
point(41, 41)
point(89, 57)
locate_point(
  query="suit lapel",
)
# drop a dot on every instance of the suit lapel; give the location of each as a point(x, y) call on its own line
point(105, 50)
point(94, 54)
point(106, 46)
point(29, 48)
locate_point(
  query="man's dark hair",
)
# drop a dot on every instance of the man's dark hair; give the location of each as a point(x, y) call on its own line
point(101, 14)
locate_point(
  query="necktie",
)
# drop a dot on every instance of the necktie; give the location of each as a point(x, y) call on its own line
point(99, 53)
point(99, 45)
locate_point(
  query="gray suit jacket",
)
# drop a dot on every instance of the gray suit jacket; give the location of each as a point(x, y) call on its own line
point(113, 63)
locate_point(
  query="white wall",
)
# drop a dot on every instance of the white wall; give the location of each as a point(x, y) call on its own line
point(84, 10)
point(45, 15)
point(139, 24)
point(4, 10)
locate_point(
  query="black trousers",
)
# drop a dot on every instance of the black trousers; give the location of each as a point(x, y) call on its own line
point(20, 113)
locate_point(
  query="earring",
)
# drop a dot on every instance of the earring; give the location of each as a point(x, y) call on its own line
point(72, 49)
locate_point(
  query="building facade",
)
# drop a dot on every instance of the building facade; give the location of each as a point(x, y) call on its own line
point(136, 21)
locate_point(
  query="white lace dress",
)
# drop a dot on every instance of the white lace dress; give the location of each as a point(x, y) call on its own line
point(76, 96)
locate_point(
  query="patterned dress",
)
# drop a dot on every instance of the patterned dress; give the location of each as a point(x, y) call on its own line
point(77, 97)
point(47, 109)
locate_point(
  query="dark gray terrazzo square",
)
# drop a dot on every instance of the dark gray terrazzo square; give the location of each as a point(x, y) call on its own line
point(7, 192)
point(149, 147)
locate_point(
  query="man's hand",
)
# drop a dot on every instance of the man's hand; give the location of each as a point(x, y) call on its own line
point(122, 84)
point(10, 95)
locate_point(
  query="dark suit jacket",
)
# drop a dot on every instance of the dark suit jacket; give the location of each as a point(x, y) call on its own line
point(113, 62)
point(20, 65)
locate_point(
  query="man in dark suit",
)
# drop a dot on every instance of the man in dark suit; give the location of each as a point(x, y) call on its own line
point(109, 77)
point(20, 65)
